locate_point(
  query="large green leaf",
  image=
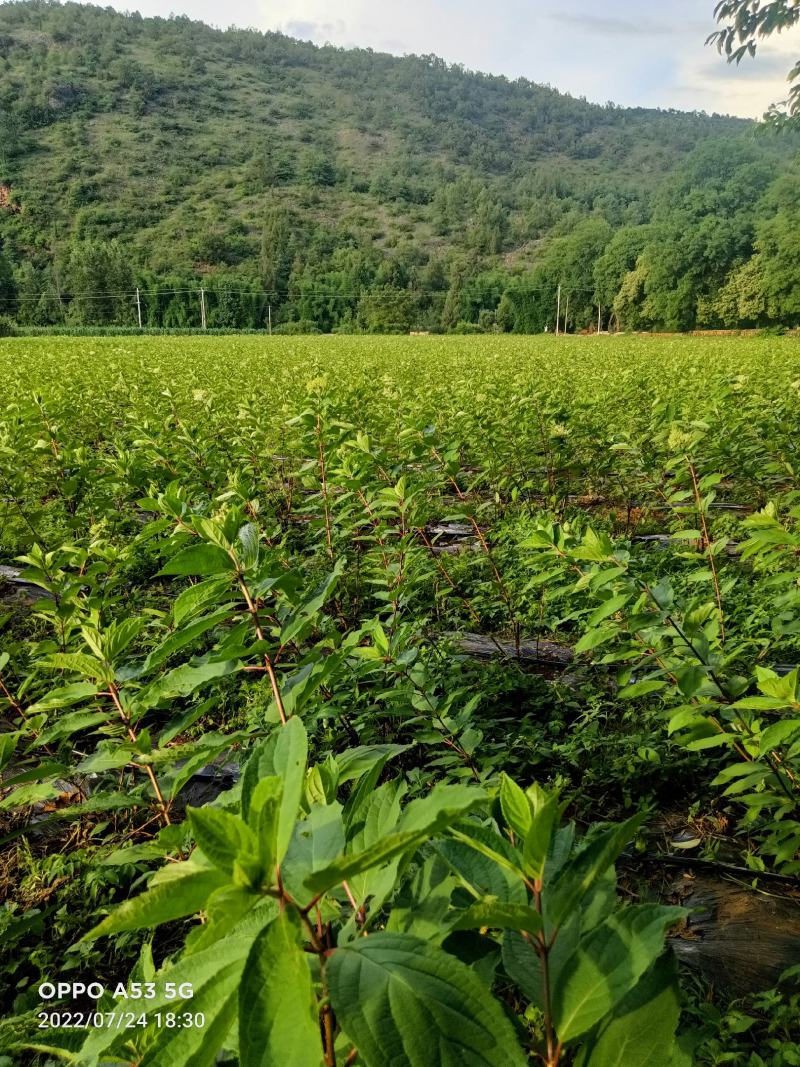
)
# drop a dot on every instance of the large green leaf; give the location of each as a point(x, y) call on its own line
point(316, 842)
point(197, 1046)
point(420, 820)
point(183, 890)
point(223, 961)
point(515, 806)
point(479, 869)
point(67, 725)
point(284, 755)
point(404, 1001)
point(221, 837)
point(200, 560)
point(29, 794)
point(355, 761)
point(64, 697)
point(278, 1021)
point(536, 844)
point(588, 865)
point(291, 753)
point(377, 816)
point(608, 964)
point(8, 743)
point(183, 680)
point(500, 916)
point(641, 1033)
point(181, 638)
point(198, 596)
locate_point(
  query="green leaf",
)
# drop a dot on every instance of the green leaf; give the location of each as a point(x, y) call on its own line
point(8, 744)
point(197, 596)
point(485, 863)
point(782, 688)
point(588, 865)
point(68, 725)
point(537, 842)
point(608, 964)
point(182, 889)
point(641, 1032)
point(81, 663)
point(202, 971)
point(184, 680)
point(119, 635)
point(377, 815)
point(778, 734)
point(420, 821)
point(498, 915)
point(278, 1022)
point(640, 689)
point(761, 704)
point(197, 1046)
point(263, 818)
point(249, 542)
point(221, 837)
point(713, 741)
point(515, 806)
point(440, 807)
point(28, 794)
point(64, 697)
point(405, 1001)
point(283, 754)
point(316, 842)
point(608, 607)
point(289, 761)
point(199, 560)
point(378, 854)
point(491, 846)
point(181, 638)
point(595, 638)
point(356, 761)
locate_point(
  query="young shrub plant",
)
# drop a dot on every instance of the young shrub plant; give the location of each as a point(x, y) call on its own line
point(334, 921)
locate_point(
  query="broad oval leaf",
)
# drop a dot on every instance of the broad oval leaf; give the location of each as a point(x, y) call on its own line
point(402, 1000)
point(278, 1021)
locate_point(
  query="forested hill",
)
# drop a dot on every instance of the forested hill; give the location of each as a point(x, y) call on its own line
point(354, 190)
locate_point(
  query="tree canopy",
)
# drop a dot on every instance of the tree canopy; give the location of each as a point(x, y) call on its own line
point(744, 23)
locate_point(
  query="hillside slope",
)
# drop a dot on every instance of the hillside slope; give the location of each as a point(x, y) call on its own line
point(201, 151)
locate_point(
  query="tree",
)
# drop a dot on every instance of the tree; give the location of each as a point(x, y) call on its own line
point(100, 279)
point(278, 246)
point(747, 21)
point(778, 244)
point(742, 301)
point(618, 259)
point(8, 290)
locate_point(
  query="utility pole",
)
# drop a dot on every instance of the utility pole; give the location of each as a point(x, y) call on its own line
point(558, 310)
point(138, 307)
point(566, 313)
point(202, 309)
point(599, 318)
point(269, 317)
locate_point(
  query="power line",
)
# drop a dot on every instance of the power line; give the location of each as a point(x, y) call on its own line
point(298, 294)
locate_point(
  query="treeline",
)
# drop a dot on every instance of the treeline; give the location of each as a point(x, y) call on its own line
point(347, 190)
point(721, 250)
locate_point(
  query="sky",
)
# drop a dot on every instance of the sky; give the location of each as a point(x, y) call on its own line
point(627, 51)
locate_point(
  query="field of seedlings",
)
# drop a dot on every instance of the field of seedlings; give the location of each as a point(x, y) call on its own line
point(420, 701)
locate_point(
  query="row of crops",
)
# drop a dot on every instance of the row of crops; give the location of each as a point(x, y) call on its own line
point(356, 696)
